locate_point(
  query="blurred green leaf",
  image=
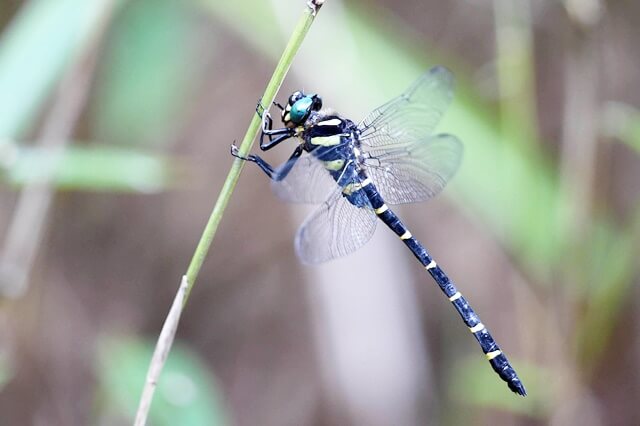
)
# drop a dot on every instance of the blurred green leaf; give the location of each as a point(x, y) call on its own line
point(252, 20)
point(6, 373)
point(34, 49)
point(93, 169)
point(622, 121)
point(608, 267)
point(186, 393)
point(149, 73)
point(474, 382)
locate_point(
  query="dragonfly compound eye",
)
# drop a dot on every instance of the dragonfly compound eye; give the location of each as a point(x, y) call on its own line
point(301, 109)
point(317, 102)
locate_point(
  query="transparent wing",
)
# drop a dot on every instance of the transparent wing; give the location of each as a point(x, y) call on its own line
point(409, 173)
point(411, 116)
point(335, 229)
point(308, 182)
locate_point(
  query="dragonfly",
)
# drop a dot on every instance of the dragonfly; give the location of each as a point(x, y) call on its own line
point(355, 171)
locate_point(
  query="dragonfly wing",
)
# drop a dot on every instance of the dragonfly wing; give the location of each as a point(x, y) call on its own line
point(335, 229)
point(308, 182)
point(414, 172)
point(411, 116)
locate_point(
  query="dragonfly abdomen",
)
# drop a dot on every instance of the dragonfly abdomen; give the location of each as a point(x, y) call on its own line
point(495, 356)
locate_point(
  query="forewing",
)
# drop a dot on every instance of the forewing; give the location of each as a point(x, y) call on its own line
point(411, 116)
point(414, 172)
point(308, 182)
point(335, 229)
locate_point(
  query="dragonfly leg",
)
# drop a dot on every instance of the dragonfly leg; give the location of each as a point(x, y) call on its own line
point(314, 5)
point(273, 141)
point(276, 174)
point(260, 109)
point(273, 137)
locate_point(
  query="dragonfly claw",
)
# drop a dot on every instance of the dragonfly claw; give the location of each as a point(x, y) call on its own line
point(259, 108)
point(236, 152)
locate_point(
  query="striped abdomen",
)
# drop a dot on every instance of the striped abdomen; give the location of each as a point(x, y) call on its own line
point(496, 358)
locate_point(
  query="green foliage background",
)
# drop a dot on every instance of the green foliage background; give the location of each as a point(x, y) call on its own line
point(176, 82)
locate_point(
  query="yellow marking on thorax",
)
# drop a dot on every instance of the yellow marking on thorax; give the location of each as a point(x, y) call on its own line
point(492, 355)
point(383, 208)
point(287, 117)
point(334, 165)
point(431, 265)
point(476, 328)
point(406, 236)
point(455, 297)
point(332, 122)
point(326, 140)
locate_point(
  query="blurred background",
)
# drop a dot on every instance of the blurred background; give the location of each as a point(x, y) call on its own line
point(115, 124)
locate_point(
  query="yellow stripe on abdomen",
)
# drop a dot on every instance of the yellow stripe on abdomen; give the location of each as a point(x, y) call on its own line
point(455, 297)
point(353, 187)
point(476, 328)
point(492, 355)
point(383, 208)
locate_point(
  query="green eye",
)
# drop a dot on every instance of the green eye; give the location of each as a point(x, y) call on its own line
point(300, 109)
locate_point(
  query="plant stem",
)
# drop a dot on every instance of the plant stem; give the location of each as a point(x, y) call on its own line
point(165, 341)
point(268, 97)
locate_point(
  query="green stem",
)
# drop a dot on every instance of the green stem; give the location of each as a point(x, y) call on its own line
point(167, 334)
point(268, 97)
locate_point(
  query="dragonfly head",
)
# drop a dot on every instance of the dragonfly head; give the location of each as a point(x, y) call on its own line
point(299, 108)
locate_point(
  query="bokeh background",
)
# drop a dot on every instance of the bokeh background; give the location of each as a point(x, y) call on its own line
point(115, 124)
